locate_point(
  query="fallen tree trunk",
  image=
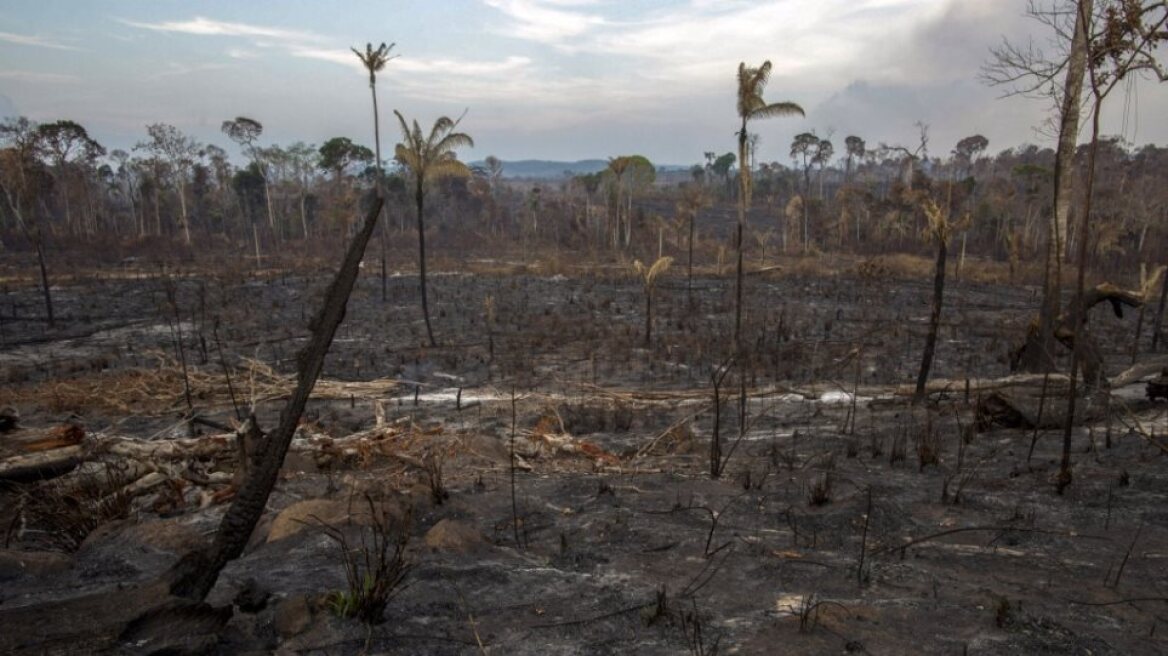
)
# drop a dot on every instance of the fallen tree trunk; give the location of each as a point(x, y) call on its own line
point(1029, 411)
point(42, 465)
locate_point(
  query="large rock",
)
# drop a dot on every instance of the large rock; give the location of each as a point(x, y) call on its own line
point(292, 616)
point(180, 629)
point(453, 535)
point(176, 535)
point(18, 564)
point(309, 514)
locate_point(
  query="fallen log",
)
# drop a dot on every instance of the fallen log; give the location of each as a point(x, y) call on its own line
point(177, 449)
point(1145, 369)
point(42, 465)
point(30, 440)
point(1029, 411)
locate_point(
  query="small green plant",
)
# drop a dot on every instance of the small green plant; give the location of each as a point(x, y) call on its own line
point(375, 569)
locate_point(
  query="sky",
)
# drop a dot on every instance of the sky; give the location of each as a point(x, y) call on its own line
point(538, 79)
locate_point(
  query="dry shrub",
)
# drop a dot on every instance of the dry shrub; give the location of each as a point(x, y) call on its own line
point(58, 515)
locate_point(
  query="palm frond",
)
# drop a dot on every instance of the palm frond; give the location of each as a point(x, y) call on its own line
point(659, 267)
point(453, 141)
point(448, 168)
point(777, 109)
point(442, 125)
point(404, 127)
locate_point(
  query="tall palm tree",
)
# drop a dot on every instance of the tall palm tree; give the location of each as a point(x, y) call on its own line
point(429, 158)
point(751, 82)
point(374, 61)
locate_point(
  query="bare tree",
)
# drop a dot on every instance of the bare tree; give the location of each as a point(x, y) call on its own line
point(168, 143)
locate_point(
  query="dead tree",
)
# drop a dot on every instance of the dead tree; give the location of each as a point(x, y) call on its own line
point(1090, 356)
point(195, 575)
point(940, 228)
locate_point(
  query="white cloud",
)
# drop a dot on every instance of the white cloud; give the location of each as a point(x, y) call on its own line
point(32, 40)
point(546, 21)
point(207, 27)
point(460, 67)
point(33, 76)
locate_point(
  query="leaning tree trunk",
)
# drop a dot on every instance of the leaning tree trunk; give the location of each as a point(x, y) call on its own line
point(195, 575)
point(40, 251)
point(934, 321)
point(420, 200)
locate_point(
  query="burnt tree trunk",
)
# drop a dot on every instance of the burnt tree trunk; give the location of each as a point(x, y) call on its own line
point(934, 321)
point(195, 575)
point(1037, 355)
point(420, 201)
point(1158, 323)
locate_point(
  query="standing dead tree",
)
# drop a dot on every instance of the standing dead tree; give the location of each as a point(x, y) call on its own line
point(1127, 41)
point(649, 276)
point(940, 228)
point(195, 575)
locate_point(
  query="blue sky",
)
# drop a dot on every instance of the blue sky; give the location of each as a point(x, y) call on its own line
point(553, 79)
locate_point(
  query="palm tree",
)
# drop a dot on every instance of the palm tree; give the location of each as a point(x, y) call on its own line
point(649, 275)
point(751, 82)
point(375, 60)
point(429, 158)
point(693, 199)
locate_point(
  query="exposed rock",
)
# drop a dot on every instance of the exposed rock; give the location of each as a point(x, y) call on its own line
point(9, 418)
point(292, 616)
point(309, 513)
point(251, 598)
point(175, 535)
point(453, 535)
point(17, 564)
point(177, 630)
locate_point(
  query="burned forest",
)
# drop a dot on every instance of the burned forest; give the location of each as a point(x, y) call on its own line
point(822, 388)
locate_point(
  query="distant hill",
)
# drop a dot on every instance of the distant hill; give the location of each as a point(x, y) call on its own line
point(544, 169)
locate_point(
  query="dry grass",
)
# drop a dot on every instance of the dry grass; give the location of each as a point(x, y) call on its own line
point(159, 389)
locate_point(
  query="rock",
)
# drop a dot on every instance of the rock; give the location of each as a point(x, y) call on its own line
point(453, 535)
point(181, 629)
point(251, 598)
point(292, 616)
point(175, 535)
point(18, 564)
point(308, 514)
point(9, 418)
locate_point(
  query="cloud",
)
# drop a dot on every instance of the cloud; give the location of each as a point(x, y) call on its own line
point(460, 67)
point(32, 40)
point(34, 76)
point(546, 21)
point(208, 27)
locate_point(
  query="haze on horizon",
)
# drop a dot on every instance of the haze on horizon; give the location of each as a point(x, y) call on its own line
point(547, 79)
